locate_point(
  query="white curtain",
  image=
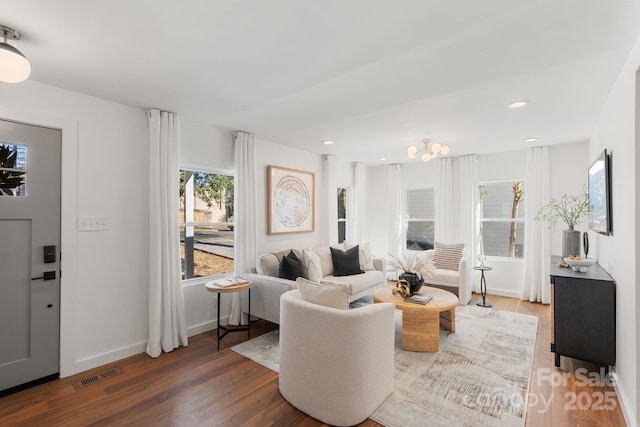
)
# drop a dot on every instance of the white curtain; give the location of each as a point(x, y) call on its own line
point(469, 211)
point(444, 200)
point(330, 203)
point(536, 286)
point(396, 210)
point(244, 211)
point(167, 325)
point(355, 232)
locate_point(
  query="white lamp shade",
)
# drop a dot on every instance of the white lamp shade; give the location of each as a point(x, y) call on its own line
point(426, 157)
point(14, 67)
point(412, 151)
point(436, 147)
point(444, 150)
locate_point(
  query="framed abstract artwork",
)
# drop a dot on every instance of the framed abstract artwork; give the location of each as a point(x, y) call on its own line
point(291, 200)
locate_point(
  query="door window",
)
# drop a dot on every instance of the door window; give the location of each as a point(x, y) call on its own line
point(13, 170)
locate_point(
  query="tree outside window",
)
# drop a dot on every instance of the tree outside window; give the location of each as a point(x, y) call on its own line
point(206, 223)
point(502, 218)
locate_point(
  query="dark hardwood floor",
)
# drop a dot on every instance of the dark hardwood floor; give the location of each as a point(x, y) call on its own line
point(198, 386)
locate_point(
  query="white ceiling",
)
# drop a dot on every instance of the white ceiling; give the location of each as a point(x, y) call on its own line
point(374, 76)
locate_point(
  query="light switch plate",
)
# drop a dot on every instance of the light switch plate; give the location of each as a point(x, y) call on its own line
point(93, 223)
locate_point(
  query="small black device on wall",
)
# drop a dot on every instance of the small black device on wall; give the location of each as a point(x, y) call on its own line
point(50, 254)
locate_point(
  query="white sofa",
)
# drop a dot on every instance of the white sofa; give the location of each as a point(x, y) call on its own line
point(267, 287)
point(456, 282)
point(336, 365)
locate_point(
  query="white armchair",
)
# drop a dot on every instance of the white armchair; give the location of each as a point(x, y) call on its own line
point(456, 282)
point(335, 365)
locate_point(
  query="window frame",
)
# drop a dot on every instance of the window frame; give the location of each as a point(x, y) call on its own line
point(406, 218)
point(209, 170)
point(501, 220)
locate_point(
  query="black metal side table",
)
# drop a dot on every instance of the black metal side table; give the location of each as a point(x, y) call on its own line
point(242, 285)
point(483, 285)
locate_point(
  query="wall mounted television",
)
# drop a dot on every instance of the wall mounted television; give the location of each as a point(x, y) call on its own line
point(600, 194)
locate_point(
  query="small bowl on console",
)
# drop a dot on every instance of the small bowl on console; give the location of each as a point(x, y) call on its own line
point(581, 264)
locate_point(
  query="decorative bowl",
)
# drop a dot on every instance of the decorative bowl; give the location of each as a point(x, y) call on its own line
point(581, 264)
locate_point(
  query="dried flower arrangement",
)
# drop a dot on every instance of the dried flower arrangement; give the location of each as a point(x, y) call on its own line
point(410, 263)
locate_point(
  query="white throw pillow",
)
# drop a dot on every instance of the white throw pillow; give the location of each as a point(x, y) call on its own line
point(311, 265)
point(334, 295)
point(366, 259)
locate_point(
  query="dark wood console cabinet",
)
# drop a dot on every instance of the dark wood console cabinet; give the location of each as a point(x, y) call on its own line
point(583, 314)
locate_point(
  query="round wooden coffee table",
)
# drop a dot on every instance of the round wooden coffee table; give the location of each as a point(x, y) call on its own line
point(421, 323)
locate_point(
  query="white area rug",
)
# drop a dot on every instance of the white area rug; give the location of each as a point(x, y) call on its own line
point(480, 376)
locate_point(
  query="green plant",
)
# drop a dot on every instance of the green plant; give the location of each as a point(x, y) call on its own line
point(10, 179)
point(571, 209)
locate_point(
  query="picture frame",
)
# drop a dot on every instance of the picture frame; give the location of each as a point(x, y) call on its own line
point(290, 200)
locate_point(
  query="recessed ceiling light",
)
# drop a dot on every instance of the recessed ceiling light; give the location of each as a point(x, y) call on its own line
point(327, 142)
point(518, 104)
point(531, 140)
point(382, 159)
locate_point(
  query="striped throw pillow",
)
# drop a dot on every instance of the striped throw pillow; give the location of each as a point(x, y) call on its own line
point(447, 256)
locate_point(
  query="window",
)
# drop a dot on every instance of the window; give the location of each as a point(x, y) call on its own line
point(206, 223)
point(502, 218)
point(13, 170)
point(419, 222)
point(342, 214)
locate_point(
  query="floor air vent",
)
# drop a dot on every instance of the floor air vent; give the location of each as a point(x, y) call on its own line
point(96, 378)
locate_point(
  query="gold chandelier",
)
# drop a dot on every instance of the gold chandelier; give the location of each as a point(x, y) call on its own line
point(428, 152)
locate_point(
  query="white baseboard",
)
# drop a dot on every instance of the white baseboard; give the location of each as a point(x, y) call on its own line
point(625, 405)
point(131, 350)
point(204, 327)
point(503, 293)
point(108, 357)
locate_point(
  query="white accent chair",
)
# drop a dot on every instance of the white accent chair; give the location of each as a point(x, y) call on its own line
point(335, 365)
point(456, 282)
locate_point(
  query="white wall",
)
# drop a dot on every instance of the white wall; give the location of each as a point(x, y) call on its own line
point(104, 301)
point(569, 164)
point(377, 226)
point(617, 131)
point(269, 153)
point(344, 173)
point(104, 280)
point(207, 148)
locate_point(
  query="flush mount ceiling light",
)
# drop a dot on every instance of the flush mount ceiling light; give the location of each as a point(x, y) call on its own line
point(518, 104)
point(327, 142)
point(428, 152)
point(531, 140)
point(14, 67)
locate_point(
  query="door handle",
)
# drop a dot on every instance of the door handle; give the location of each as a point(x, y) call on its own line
point(47, 275)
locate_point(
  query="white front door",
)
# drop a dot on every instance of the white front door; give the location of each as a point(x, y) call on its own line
point(30, 159)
